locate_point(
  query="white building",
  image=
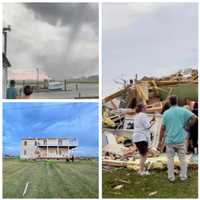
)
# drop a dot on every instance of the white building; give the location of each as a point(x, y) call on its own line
point(27, 74)
point(47, 148)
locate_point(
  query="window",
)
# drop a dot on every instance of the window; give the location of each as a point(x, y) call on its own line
point(24, 152)
point(59, 141)
point(25, 143)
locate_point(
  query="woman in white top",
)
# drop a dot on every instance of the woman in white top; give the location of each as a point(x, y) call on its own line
point(141, 136)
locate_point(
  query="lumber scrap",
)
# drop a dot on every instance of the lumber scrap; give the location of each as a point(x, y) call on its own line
point(142, 92)
point(155, 87)
point(162, 89)
point(151, 163)
point(131, 98)
point(114, 163)
point(152, 108)
point(168, 83)
point(116, 94)
point(113, 104)
point(170, 91)
point(25, 188)
point(107, 121)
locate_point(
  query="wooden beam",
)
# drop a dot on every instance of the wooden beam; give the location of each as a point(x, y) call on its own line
point(114, 163)
point(116, 94)
point(163, 83)
point(152, 108)
point(155, 87)
point(113, 104)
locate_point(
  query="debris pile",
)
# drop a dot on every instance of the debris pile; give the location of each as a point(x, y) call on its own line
point(119, 112)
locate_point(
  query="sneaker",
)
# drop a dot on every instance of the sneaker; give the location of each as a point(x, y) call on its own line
point(183, 178)
point(144, 173)
point(147, 172)
point(171, 180)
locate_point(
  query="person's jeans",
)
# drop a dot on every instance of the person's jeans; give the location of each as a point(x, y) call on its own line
point(171, 149)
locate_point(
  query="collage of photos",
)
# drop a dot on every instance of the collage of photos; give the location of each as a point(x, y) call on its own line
point(99, 100)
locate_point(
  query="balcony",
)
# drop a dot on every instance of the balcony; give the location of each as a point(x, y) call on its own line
point(57, 142)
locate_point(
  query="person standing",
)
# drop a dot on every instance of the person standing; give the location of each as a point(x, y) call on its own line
point(11, 91)
point(142, 135)
point(172, 133)
point(194, 130)
point(27, 92)
point(189, 105)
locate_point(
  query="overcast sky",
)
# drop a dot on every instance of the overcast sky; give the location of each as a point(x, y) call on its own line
point(59, 38)
point(148, 39)
point(72, 120)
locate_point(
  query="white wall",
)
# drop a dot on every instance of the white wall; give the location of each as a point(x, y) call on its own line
point(29, 148)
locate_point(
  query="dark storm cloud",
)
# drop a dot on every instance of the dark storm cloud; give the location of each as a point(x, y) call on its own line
point(59, 38)
point(67, 14)
point(73, 14)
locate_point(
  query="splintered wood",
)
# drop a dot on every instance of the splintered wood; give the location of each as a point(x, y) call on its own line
point(153, 163)
point(119, 110)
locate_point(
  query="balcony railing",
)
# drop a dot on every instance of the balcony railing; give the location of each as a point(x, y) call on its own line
point(60, 143)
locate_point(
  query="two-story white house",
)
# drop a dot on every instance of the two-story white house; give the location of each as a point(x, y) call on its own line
point(47, 148)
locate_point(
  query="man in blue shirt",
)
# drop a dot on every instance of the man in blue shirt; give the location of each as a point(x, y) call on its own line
point(11, 91)
point(173, 130)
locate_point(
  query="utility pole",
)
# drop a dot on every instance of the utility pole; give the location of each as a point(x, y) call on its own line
point(5, 70)
point(5, 30)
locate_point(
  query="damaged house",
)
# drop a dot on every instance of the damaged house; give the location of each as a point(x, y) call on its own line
point(119, 112)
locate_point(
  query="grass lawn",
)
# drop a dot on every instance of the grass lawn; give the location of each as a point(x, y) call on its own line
point(155, 185)
point(50, 179)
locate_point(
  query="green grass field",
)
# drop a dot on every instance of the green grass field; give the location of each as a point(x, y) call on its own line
point(50, 179)
point(154, 186)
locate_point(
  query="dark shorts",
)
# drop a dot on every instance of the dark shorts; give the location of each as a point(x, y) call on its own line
point(142, 147)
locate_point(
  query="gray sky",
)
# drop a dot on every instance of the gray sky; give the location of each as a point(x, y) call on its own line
point(148, 39)
point(60, 38)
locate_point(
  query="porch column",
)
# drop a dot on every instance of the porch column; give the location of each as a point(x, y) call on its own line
point(58, 149)
point(47, 149)
point(68, 152)
point(57, 154)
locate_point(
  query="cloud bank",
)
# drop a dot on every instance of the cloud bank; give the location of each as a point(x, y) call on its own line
point(59, 38)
